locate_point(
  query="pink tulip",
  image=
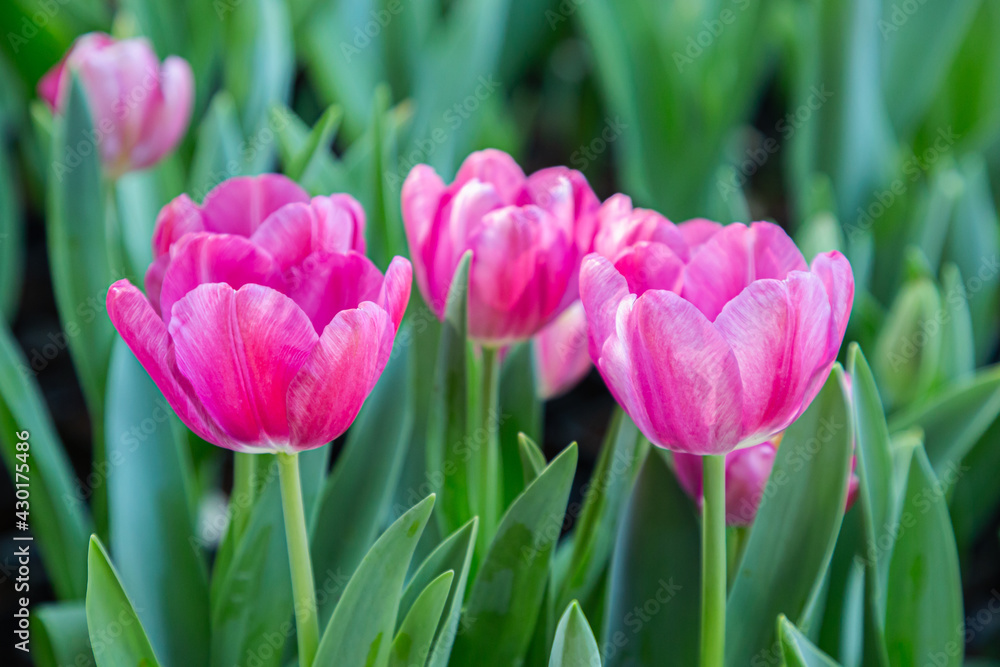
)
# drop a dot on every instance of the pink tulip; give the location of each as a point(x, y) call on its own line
point(560, 349)
point(737, 355)
point(140, 108)
point(273, 327)
point(527, 236)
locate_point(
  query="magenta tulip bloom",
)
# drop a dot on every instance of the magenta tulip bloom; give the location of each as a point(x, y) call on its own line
point(140, 108)
point(737, 355)
point(527, 236)
point(270, 334)
point(624, 234)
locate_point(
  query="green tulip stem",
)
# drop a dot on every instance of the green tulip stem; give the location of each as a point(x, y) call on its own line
point(713, 562)
point(488, 438)
point(303, 585)
point(244, 489)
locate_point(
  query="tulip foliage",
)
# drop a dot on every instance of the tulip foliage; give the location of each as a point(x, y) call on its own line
point(324, 386)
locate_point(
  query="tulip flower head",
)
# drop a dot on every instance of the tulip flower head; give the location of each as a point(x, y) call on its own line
point(624, 234)
point(729, 353)
point(527, 236)
point(140, 107)
point(265, 327)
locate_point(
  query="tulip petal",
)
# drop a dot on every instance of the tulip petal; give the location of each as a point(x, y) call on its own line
point(146, 335)
point(239, 205)
point(602, 289)
point(567, 196)
point(181, 216)
point(560, 352)
point(395, 293)
point(494, 167)
point(621, 227)
point(329, 389)
point(778, 331)
point(240, 350)
point(421, 200)
point(332, 282)
point(697, 231)
point(326, 224)
point(648, 266)
point(169, 113)
point(686, 375)
point(214, 258)
point(733, 258)
point(838, 280)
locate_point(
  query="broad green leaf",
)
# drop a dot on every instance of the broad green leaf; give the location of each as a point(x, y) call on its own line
point(11, 240)
point(574, 644)
point(219, 153)
point(316, 143)
point(604, 495)
point(358, 493)
point(116, 635)
point(82, 253)
point(976, 493)
point(954, 419)
point(874, 465)
point(152, 524)
point(924, 615)
point(454, 554)
point(449, 461)
point(507, 592)
point(251, 594)
point(531, 457)
point(654, 576)
point(415, 636)
point(361, 628)
point(797, 650)
point(58, 512)
point(323, 173)
point(258, 66)
point(60, 636)
point(958, 348)
point(796, 527)
point(521, 412)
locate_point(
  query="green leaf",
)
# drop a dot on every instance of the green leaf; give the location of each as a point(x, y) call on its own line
point(958, 348)
point(251, 594)
point(507, 593)
point(82, 264)
point(924, 615)
point(59, 517)
point(11, 240)
point(116, 634)
point(454, 554)
point(654, 577)
point(361, 628)
point(954, 419)
point(531, 457)
point(521, 412)
point(797, 650)
point(976, 494)
point(449, 461)
point(796, 527)
point(874, 458)
point(218, 153)
point(415, 636)
point(574, 644)
point(604, 495)
point(139, 196)
point(152, 524)
point(60, 636)
point(315, 144)
point(358, 493)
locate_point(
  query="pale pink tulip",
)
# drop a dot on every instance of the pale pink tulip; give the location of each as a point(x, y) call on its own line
point(734, 358)
point(527, 236)
point(140, 108)
point(273, 332)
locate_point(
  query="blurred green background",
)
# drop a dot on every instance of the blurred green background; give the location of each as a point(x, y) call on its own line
point(864, 125)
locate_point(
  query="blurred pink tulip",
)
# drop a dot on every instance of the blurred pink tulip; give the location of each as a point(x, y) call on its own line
point(140, 108)
point(561, 355)
point(273, 327)
point(527, 235)
point(729, 352)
